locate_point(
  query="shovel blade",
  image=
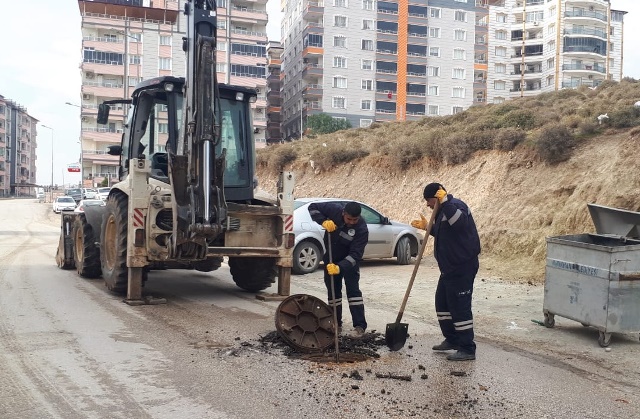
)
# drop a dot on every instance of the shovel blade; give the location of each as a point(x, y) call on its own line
point(396, 335)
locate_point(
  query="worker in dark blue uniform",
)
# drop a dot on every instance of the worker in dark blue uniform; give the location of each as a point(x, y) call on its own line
point(456, 249)
point(349, 236)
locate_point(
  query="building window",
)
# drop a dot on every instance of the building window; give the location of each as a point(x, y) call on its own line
point(434, 110)
point(434, 12)
point(221, 67)
point(340, 41)
point(340, 3)
point(339, 102)
point(458, 92)
point(163, 128)
point(367, 84)
point(550, 63)
point(434, 51)
point(498, 100)
point(460, 16)
point(134, 59)
point(434, 90)
point(434, 71)
point(367, 24)
point(456, 109)
point(367, 4)
point(501, 68)
point(434, 32)
point(365, 105)
point(165, 40)
point(221, 46)
point(164, 64)
point(340, 21)
point(459, 35)
point(501, 18)
point(367, 65)
point(501, 35)
point(367, 44)
point(499, 85)
point(365, 123)
point(459, 54)
point(340, 62)
point(501, 52)
point(340, 82)
point(458, 73)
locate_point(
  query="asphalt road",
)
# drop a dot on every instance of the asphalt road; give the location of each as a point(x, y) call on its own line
point(71, 349)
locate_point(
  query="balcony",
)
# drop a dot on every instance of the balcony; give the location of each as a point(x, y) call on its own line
point(312, 90)
point(312, 71)
point(313, 11)
point(585, 50)
point(247, 15)
point(109, 90)
point(243, 35)
point(584, 67)
point(586, 14)
point(586, 31)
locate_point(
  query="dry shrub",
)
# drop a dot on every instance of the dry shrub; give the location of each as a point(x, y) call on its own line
point(337, 154)
point(518, 118)
point(554, 143)
point(507, 139)
point(281, 156)
point(407, 151)
point(624, 117)
point(571, 121)
point(587, 128)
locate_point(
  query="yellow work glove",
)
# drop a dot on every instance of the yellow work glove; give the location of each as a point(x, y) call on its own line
point(333, 269)
point(329, 225)
point(421, 223)
point(441, 195)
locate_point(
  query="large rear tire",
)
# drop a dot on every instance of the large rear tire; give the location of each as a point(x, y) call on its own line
point(253, 274)
point(113, 244)
point(86, 254)
point(207, 265)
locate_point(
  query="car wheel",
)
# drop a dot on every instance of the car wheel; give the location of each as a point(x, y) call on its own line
point(403, 251)
point(306, 257)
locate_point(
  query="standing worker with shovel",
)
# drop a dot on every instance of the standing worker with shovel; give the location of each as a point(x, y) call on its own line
point(456, 249)
point(347, 237)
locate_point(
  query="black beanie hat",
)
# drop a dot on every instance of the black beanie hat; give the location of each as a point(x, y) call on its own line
point(431, 189)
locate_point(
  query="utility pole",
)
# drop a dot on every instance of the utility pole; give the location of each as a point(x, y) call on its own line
point(80, 142)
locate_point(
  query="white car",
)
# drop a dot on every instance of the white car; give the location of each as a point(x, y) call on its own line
point(63, 203)
point(387, 238)
point(103, 193)
point(88, 193)
point(89, 203)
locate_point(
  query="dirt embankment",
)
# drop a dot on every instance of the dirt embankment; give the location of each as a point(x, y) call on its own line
point(517, 200)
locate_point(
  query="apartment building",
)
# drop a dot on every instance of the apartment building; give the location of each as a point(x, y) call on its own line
point(127, 41)
point(274, 102)
point(17, 149)
point(366, 60)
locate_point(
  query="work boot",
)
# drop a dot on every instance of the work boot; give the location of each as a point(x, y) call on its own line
point(461, 356)
point(358, 333)
point(445, 346)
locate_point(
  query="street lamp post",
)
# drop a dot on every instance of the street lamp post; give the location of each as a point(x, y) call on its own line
point(81, 151)
point(51, 187)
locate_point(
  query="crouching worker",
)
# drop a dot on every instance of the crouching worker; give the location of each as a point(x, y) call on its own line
point(456, 249)
point(348, 237)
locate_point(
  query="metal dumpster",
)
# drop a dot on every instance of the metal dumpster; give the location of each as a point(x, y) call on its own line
point(595, 278)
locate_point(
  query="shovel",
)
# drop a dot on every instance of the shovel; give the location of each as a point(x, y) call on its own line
point(396, 333)
point(333, 305)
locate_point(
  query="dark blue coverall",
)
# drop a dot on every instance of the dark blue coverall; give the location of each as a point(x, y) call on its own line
point(456, 249)
point(347, 246)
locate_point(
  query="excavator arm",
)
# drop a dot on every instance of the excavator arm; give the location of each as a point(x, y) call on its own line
point(195, 171)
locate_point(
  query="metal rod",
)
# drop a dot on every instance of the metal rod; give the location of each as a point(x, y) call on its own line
point(333, 303)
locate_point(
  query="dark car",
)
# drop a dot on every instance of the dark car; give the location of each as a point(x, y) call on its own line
point(76, 194)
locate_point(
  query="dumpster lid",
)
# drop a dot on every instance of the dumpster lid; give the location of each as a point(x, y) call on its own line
point(615, 221)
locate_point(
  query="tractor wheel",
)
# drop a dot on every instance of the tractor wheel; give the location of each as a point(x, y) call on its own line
point(113, 244)
point(207, 265)
point(253, 274)
point(86, 255)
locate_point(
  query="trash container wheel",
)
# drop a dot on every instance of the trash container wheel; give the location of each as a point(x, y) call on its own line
point(549, 320)
point(604, 339)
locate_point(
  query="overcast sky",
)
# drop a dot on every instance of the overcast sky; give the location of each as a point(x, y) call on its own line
point(41, 54)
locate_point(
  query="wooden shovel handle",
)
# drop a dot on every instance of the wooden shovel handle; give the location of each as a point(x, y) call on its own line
point(436, 207)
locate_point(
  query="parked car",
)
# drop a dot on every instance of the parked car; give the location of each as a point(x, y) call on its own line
point(88, 193)
point(64, 203)
point(76, 194)
point(103, 193)
point(88, 203)
point(387, 238)
point(40, 194)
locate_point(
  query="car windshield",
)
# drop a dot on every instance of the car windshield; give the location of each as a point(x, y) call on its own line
point(74, 191)
point(103, 190)
point(66, 199)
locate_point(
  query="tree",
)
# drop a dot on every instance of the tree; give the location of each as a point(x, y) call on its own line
point(105, 182)
point(323, 123)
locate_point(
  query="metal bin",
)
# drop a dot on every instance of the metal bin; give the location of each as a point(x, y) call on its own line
point(595, 278)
